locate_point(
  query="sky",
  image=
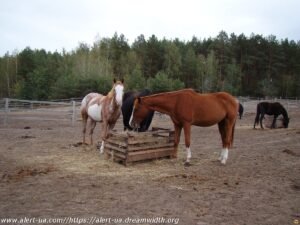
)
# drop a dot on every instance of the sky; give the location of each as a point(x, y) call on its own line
point(55, 25)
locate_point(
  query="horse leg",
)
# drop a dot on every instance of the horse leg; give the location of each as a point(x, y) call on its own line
point(262, 115)
point(92, 127)
point(274, 121)
point(226, 128)
point(177, 129)
point(84, 122)
point(256, 121)
point(224, 152)
point(104, 135)
point(187, 138)
point(110, 128)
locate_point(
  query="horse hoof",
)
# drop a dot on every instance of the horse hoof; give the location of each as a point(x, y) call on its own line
point(187, 164)
point(173, 156)
point(223, 162)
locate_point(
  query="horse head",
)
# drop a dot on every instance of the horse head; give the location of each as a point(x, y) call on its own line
point(118, 90)
point(139, 113)
point(286, 122)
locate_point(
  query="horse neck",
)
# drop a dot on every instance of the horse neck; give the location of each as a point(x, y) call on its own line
point(160, 102)
point(112, 101)
point(111, 93)
point(284, 113)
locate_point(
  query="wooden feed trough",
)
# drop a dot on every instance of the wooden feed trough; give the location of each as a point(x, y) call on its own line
point(128, 147)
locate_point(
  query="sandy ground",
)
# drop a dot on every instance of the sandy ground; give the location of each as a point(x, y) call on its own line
point(44, 175)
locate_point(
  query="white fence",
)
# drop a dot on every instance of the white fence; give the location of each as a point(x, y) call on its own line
point(251, 103)
point(38, 110)
point(68, 109)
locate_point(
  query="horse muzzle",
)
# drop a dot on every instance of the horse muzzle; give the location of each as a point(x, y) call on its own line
point(134, 124)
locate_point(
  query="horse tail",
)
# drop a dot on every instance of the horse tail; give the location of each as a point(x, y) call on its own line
point(83, 109)
point(232, 135)
point(241, 110)
point(258, 111)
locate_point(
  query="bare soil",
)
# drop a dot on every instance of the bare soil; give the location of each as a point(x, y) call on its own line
point(44, 173)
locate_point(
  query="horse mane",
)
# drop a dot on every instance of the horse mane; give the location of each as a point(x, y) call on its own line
point(129, 94)
point(144, 92)
point(111, 93)
point(172, 92)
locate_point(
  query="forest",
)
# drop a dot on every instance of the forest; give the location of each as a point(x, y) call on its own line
point(243, 66)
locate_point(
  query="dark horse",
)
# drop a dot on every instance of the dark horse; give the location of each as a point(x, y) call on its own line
point(127, 107)
point(268, 108)
point(187, 108)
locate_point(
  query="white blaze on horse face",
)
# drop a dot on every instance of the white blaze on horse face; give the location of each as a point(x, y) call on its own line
point(119, 93)
point(188, 154)
point(131, 121)
point(94, 111)
point(131, 117)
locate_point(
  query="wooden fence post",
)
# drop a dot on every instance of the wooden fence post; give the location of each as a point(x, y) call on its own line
point(6, 111)
point(73, 112)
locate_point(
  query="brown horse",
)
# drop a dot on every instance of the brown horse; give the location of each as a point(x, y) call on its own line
point(187, 108)
point(104, 109)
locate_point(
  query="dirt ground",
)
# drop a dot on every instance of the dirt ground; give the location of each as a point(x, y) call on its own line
point(44, 174)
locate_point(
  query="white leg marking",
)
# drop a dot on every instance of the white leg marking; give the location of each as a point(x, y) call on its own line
point(221, 155)
point(225, 155)
point(102, 147)
point(188, 154)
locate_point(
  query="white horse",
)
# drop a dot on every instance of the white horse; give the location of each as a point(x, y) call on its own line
point(105, 109)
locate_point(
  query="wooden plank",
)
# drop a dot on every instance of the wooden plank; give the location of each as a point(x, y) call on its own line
point(151, 151)
point(115, 148)
point(147, 140)
point(149, 147)
point(166, 130)
point(119, 155)
point(118, 136)
point(145, 134)
point(116, 155)
point(146, 155)
point(139, 135)
point(117, 142)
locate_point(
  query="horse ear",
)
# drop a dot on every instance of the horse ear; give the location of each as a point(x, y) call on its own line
point(122, 80)
point(115, 80)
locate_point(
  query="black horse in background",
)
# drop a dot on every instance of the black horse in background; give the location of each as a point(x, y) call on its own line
point(127, 107)
point(268, 108)
point(241, 110)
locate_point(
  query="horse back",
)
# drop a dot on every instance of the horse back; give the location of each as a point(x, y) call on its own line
point(270, 108)
point(209, 109)
point(87, 99)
